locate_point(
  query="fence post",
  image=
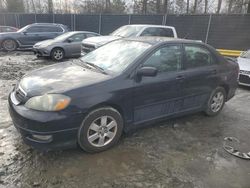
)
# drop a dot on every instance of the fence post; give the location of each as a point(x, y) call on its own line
point(100, 23)
point(208, 27)
point(16, 20)
point(4, 20)
point(53, 17)
point(129, 19)
point(35, 18)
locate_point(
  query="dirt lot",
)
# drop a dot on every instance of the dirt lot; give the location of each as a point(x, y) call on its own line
point(185, 152)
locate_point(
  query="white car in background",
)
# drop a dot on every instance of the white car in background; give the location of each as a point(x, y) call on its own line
point(244, 64)
point(128, 31)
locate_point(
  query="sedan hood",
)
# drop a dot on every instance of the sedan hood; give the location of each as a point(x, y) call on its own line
point(244, 63)
point(44, 43)
point(99, 41)
point(59, 78)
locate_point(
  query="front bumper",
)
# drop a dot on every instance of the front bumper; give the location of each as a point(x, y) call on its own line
point(41, 52)
point(244, 79)
point(46, 130)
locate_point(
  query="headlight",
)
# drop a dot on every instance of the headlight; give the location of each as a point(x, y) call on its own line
point(48, 102)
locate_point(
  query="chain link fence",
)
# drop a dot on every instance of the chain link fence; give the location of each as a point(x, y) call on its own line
point(220, 31)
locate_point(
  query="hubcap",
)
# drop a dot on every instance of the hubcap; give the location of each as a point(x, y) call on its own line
point(9, 45)
point(58, 54)
point(102, 131)
point(217, 102)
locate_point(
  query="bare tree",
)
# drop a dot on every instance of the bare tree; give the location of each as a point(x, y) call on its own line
point(230, 5)
point(50, 6)
point(165, 6)
point(195, 6)
point(248, 6)
point(218, 6)
point(158, 6)
point(206, 5)
point(144, 6)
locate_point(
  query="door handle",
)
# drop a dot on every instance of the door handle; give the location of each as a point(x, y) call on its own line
point(180, 77)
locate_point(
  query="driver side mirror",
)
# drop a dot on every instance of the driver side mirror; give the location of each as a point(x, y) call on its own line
point(69, 40)
point(147, 71)
point(25, 32)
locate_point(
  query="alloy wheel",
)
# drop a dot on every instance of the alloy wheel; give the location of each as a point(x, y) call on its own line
point(102, 131)
point(58, 54)
point(217, 101)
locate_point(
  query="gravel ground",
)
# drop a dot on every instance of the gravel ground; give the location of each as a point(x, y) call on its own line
point(185, 152)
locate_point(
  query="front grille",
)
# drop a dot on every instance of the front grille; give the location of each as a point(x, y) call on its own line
point(244, 72)
point(244, 79)
point(86, 48)
point(20, 95)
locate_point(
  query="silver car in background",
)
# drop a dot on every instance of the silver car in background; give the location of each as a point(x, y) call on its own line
point(244, 64)
point(65, 45)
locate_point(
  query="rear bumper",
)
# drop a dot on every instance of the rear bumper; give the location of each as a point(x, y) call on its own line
point(46, 130)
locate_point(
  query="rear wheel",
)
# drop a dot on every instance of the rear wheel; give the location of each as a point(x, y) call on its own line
point(57, 54)
point(100, 130)
point(9, 45)
point(216, 101)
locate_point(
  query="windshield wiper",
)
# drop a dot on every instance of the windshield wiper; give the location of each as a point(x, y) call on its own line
point(100, 69)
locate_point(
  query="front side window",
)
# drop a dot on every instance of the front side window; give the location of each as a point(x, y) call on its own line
point(77, 37)
point(197, 57)
point(34, 29)
point(165, 59)
point(116, 56)
point(156, 31)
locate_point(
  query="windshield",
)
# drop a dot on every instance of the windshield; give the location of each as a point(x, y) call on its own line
point(123, 53)
point(23, 28)
point(245, 54)
point(127, 31)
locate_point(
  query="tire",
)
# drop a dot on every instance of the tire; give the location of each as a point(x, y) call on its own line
point(100, 130)
point(57, 54)
point(216, 102)
point(9, 45)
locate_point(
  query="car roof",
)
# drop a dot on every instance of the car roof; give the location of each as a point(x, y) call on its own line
point(157, 40)
point(57, 24)
point(151, 25)
point(82, 32)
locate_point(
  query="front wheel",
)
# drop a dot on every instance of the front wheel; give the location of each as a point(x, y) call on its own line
point(57, 54)
point(100, 130)
point(216, 101)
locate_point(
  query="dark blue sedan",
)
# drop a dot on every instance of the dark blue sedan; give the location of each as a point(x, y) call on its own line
point(119, 86)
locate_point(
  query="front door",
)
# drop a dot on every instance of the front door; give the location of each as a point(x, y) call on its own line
point(159, 96)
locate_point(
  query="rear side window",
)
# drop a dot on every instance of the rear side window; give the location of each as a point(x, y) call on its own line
point(156, 31)
point(52, 29)
point(197, 56)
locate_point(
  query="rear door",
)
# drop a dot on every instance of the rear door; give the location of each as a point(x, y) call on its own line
point(201, 76)
point(50, 32)
point(159, 96)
